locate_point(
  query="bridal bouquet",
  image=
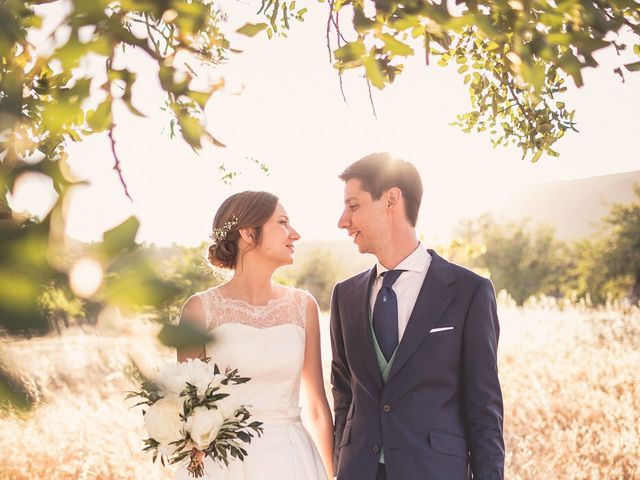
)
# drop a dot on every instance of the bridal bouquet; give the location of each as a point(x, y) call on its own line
point(194, 412)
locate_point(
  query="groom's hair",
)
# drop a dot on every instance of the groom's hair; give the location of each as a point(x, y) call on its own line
point(379, 172)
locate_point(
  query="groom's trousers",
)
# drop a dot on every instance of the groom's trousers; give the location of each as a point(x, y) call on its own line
point(382, 472)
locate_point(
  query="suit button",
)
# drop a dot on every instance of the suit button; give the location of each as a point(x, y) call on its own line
point(386, 408)
point(376, 449)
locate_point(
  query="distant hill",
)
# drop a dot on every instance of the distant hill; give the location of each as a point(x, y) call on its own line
point(573, 207)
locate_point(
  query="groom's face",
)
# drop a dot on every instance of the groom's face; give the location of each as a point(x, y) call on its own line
point(363, 217)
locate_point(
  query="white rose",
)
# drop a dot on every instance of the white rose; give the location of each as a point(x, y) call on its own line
point(202, 379)
point(199, 374)
point(163, 422)
point(173, 378)
point(203, 426)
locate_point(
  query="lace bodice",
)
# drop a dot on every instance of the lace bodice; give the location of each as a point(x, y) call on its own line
point(243, 338)
point(291, 308)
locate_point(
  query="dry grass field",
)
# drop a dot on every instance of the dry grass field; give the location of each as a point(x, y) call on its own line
point(570, 378)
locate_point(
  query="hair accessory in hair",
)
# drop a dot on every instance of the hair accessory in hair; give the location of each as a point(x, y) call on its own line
point(219, 234)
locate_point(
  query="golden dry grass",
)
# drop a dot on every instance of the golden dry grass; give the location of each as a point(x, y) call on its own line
point(570, 377)
point(571, 386)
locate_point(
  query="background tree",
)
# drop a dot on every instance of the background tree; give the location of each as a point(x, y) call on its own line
point(606, 266)
point(521, 260)
point(318, 273)
point(587, 277)
point(622, 246)
point(188, 269)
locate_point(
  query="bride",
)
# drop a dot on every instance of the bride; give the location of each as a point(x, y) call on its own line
point(271, 334)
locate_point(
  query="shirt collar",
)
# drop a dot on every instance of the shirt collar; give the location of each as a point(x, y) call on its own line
point(417, 261)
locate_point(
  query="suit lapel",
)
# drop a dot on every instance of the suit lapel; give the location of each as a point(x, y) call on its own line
point(433, 299)
point(359, 311)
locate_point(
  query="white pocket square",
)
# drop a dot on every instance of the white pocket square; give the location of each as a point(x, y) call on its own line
point(440, 329)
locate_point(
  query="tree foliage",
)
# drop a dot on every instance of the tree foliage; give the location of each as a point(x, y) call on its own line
point(187, 269)
point(621, 239)
point(61, 83)
point(587, 276)
point(527, 262)
point(606, 266)
point(515, 55)
point(519, 259)
point(318, 273)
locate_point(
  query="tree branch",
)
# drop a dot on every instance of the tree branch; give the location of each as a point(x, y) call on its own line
point(373, 106)
point(117, 162)
point(520, 106)
point(332, 21)
point(328, 34)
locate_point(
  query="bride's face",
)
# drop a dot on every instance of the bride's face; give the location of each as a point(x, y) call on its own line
point(278, 237)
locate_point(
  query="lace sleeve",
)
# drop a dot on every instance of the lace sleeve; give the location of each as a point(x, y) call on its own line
point(301, 303)
point(207, 305)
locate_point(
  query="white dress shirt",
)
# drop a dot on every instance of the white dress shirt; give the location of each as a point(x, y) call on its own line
point(407, 286)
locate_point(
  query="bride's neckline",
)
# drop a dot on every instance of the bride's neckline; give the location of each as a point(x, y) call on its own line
point(288, 292)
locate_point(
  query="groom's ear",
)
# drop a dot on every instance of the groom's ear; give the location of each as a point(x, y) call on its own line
point(393, 196)
point(247, 234)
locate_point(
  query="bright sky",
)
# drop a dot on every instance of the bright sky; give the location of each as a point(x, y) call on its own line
point(290, 115)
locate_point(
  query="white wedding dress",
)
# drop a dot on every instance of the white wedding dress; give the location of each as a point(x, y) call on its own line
point(265, 343)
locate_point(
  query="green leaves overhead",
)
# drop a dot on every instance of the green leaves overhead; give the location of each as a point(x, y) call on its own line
point(101, 118)
point(374, 72)
point(351, 53)
point(279, 14)
point(396, 47)
point(514, 56)
point(252, 29)
point(121, 238)
point(24, 268)
point(633, 67)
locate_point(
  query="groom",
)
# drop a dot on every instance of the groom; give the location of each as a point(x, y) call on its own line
point(414, 340)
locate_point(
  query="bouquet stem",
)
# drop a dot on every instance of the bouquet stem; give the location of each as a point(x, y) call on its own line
point(196, 463)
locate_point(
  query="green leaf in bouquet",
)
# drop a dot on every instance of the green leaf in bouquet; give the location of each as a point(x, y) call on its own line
point(178, 458)
point(241, 380)
point(219, 396)
point(149, 389)
point(256, 426)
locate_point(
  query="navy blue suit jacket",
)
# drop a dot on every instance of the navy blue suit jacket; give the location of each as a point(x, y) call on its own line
point(439, 415)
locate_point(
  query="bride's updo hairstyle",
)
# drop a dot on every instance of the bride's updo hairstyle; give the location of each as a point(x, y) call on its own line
point(242, 210)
